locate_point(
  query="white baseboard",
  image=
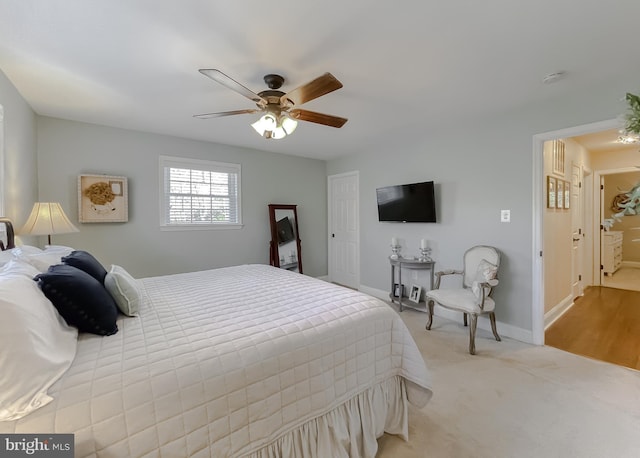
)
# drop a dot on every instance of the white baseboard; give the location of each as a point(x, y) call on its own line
point(504, 329)
point(556, 312)
point(323, 278)
point(634, 264)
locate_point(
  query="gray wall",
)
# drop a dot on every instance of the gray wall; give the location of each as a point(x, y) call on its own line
point(20, 153)
point(480, 166)
point(67, 149)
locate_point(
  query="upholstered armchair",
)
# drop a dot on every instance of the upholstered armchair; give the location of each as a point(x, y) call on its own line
point(479, 277)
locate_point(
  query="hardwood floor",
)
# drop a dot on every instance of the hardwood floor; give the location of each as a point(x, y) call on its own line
point(603, 324)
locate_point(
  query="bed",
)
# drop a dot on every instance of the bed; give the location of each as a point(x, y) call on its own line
point(240, 361)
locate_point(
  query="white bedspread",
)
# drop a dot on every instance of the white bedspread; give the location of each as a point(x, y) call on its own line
point(224, 362)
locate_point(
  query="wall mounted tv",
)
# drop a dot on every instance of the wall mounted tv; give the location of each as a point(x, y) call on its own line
point(407, 203)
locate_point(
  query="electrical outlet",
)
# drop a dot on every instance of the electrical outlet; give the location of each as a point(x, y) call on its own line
point(505, 216)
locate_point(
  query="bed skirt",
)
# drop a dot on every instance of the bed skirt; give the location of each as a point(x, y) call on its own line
point(349, 430)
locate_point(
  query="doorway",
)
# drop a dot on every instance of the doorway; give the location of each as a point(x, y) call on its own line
point(620, 245)
point(598, 312)
point(539, 205)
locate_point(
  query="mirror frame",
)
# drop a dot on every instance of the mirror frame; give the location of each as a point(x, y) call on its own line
point(10, 235)
point(274, 258)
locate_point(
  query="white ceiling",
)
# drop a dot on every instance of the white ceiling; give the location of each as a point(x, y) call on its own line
point(405, 65)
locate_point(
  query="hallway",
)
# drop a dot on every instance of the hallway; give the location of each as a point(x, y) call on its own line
point(603, 324)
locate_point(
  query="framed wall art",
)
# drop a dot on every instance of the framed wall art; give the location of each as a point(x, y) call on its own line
point(567, 194)
point(559, 194)
point(551, 192)
point(102, 199)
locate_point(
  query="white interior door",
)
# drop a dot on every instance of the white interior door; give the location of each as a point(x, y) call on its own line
point(344, 255)
point(577, 244)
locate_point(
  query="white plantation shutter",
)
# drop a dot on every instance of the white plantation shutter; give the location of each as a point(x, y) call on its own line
point(199, 193)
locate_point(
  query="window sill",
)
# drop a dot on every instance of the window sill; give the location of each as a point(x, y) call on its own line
point(199, 227)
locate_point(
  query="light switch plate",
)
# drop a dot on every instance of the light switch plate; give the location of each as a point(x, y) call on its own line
point(505, 216)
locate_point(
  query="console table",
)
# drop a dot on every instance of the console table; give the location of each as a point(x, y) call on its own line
point(407, 263)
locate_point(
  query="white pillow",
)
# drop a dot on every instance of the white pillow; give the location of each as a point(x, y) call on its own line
point(18, 267)
point(124, 289)
point(41, 260)
point(6, 256)
point(26, 249)
point(36, 346)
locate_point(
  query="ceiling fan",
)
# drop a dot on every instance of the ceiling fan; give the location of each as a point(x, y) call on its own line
point(281, 111)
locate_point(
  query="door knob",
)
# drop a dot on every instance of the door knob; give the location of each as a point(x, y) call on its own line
point(576, 240)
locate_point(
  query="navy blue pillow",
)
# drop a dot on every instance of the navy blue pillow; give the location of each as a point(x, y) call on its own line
point(81, 299)
point(84, 260)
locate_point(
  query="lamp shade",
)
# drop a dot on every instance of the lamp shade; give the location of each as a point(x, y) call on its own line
point(47, 218)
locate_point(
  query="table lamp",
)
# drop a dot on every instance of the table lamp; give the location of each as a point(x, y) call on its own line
point(47, 218)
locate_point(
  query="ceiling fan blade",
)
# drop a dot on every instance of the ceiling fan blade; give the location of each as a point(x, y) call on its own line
point(218, 76)
point(224, 113)
point(312, 90)
point(318, 118)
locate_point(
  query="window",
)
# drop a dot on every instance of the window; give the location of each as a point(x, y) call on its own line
point(197, 194)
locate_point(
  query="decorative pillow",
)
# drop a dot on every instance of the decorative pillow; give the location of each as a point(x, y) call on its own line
point(485, 272)
point(124, 290)
point(85, 261)
point(81, 299)
point(36, 346)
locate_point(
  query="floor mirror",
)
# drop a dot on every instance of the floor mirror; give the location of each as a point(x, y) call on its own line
point(284, 249)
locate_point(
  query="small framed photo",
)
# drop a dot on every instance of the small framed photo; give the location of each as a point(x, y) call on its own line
point(567, 194)
point(416, 291)
point(551, 192)
point(102, 199)
point(559, 194)
point(398, 290)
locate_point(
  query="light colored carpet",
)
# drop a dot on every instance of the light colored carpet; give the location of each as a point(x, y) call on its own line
point(516, 400)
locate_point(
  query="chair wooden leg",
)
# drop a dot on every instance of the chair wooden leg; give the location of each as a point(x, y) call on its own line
point(492, 317)
point(430, 307)
point(472, 333)
point(464, 318)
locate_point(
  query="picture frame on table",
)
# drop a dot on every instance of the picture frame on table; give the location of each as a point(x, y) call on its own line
point(414, 295)
point(398, 290)
point(102, 199)
point(551, 192)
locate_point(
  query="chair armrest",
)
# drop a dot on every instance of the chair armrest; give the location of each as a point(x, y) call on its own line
point(483, 285)
point(442, 273)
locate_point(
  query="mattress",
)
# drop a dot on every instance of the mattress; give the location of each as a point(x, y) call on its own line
point(226, 362)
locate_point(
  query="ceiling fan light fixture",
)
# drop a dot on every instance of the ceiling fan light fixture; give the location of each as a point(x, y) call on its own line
point(266, 123)
point(289, 124)
point(270, 126)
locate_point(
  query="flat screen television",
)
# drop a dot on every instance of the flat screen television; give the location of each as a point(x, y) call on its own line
point(408, 203)
point(285, 230)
